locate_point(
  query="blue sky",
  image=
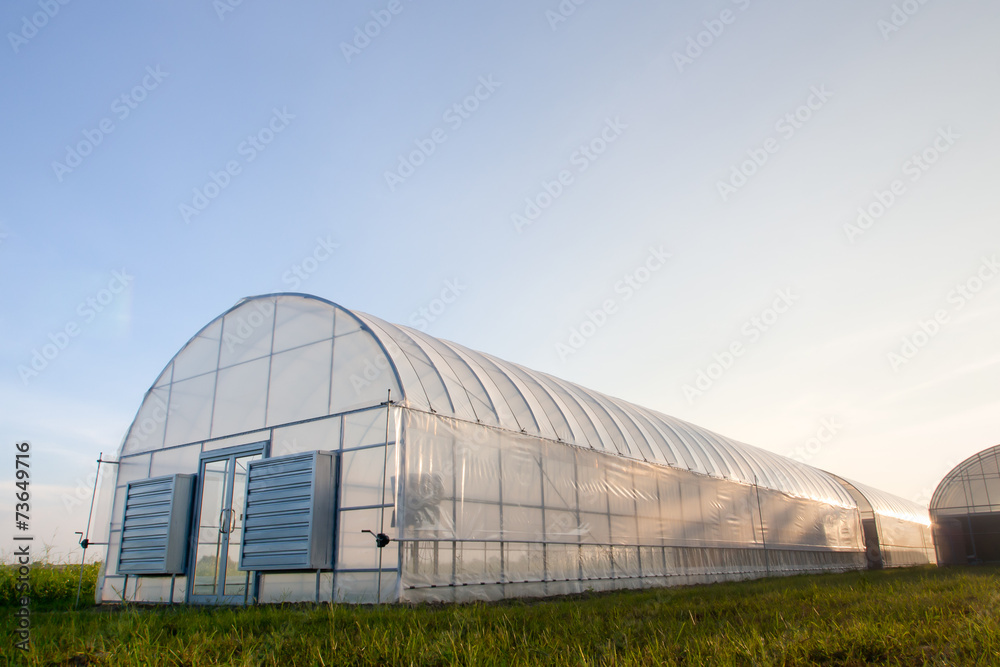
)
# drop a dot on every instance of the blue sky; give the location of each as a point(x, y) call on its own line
point(746, 158)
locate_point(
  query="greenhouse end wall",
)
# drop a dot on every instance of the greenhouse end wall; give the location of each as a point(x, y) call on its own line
point(488, 514)
point(359, 439)
point(966, 511)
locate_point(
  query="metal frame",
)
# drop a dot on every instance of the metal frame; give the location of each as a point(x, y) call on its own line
point(252, 579)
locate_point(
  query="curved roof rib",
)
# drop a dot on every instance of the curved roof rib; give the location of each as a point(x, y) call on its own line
point(445, 378)
point(456, 381)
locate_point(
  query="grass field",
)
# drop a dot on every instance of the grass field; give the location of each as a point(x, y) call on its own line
point(924, 616)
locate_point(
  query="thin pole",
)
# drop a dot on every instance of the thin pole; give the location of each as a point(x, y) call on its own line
point(763, 539)
point(385, 467)
point(86, 538)
point(966, 483)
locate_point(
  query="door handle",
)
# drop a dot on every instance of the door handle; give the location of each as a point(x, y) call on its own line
point(223, 522)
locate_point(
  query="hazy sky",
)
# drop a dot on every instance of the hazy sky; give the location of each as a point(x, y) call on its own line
point(823, 177)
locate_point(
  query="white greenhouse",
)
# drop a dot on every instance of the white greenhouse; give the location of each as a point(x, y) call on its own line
point(294, 450)
point(965, 509)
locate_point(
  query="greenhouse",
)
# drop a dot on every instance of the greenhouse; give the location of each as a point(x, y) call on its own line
point(294, 450)
point(965, 510)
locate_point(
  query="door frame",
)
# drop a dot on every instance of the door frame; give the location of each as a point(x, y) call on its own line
point(263, 449)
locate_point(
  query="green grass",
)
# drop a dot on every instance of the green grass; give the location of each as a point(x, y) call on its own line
point(924, 616)
point(53, 585)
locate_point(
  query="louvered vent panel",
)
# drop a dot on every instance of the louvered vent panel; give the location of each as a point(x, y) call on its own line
point(155, 526)
point(288, 521)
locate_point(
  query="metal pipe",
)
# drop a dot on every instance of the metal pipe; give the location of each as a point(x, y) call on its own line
point(385, 466)
point(86, 542)
point(763, 539)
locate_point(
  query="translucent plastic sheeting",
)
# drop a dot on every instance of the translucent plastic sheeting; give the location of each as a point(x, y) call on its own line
point(266, 362)
point(965, 509)
point(888, 505)
point(903, 527)
point(972, 487)
point(366, 501)
point(507, 477)
point(346, 587)
point(493, 509)
point(276, 359)
point(905, 543)
point(446, 378)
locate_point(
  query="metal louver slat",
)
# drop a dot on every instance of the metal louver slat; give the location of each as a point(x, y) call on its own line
point(155, 525)
point(289, 513)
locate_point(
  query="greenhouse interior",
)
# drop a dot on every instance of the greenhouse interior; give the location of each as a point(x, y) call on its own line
point(965, 511)
point(294, 450)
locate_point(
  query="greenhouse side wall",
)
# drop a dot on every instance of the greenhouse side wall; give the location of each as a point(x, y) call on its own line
point(488, 514)
point(905, 543)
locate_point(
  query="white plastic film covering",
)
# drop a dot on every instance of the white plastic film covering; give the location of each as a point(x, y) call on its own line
point(510, 481)
point(300, 383)
point(965, 510)
point(972, 487)
point(505, 513)
point(240, 398)
point(904, 527)
point(268, 361)
point(449, 379)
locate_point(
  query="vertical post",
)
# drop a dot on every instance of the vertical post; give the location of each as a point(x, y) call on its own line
point(86, 538)
point(545, 538)
point(385, 467)
point(763, 538)
point(968, 517)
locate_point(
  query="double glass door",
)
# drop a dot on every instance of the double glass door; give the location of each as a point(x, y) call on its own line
point(216, 577)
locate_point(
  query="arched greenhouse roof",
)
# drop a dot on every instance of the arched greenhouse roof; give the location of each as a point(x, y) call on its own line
point(886, 504)
point(300, 357)
point(971, 486)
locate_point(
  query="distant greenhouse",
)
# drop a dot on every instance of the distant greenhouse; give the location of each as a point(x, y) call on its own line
point(296, 450)
point(965, 509)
